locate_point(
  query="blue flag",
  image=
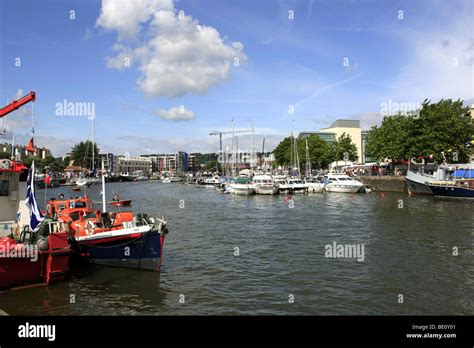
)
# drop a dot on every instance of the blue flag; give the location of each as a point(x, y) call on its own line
point(36, 217)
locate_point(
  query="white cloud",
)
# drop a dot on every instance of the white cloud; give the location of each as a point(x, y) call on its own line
point(441, 64)
point(174, 53)
point(176, 113)
point(126, 16)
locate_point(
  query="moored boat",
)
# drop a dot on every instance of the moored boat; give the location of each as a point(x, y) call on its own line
point(264, 184)
point(296, 185)
point(313, 185)
point(242, 186)
point(335, 182)
point(33, 252)
point(111, 238)
point(453, 189)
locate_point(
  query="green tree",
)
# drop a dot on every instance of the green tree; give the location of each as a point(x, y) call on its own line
point(393, 139)
point(4, 155)
point(343, 149)
point(282, 152)
point(82, 154)
point(318, 150)
point(445, 126)
point(54, 164)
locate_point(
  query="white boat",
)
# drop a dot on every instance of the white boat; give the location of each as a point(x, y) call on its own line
point(141, 178)
point(264, 185)
point(242, 186)
point(296, 185)
point(209, 180)
point(125, 176)
point(87, 181)
point(313, 185)
point(171, 179)
point(341, 183)
point(280, 180)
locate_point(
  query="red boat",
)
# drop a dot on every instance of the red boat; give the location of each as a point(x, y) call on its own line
point(28, 257)
point(111, 238)
point(35, 258)
point(122, 203)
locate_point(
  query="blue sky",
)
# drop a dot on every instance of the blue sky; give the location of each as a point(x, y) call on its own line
point(425, 51)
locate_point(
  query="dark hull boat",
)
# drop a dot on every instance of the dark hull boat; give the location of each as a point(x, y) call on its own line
point(140, 248)
point(453, 191)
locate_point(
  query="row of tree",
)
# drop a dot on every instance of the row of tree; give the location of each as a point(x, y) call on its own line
point(321, 154)
point(444, 127)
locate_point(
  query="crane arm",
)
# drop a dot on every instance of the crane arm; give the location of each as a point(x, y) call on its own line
point(230, 132)
point(30, 97)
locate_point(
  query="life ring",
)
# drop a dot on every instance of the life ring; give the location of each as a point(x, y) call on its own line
point(89, 228)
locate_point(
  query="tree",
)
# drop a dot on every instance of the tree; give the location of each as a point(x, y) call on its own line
point(82, 154)
point(54, 164)
point(394, 139)
point(4, 155)
point(282, 152)
point(445, 126)
point(343, 149)
point(318, 150)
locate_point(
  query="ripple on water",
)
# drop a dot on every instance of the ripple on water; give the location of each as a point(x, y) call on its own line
point(281, 253)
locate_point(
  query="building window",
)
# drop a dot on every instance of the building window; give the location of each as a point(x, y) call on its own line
point(4, 187)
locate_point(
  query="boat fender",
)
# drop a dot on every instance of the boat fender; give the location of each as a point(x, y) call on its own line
point(42, 243)
point(90, 228)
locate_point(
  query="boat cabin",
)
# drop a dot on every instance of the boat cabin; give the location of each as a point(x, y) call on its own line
point(69, 209)
point(13, 177)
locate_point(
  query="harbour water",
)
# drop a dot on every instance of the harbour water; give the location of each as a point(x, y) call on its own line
point(231, 255)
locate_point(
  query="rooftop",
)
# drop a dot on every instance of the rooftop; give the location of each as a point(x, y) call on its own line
point(345, 124)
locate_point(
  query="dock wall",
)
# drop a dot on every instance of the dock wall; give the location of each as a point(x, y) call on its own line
point(384, 183)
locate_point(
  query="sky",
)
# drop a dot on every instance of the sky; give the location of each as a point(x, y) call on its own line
point(162, 74)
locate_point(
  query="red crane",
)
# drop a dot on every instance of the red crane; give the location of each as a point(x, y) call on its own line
point(30, 97)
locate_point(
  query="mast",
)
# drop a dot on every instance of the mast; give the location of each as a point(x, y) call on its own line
point(308, 161)
point(237, 160)
point(233, 150)
point(93, 146)
point(291, 152)
point(297, 157)
point(104, 206)
point(252, 156)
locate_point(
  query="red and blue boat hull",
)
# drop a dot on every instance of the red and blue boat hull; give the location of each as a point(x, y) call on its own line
point(136, 250)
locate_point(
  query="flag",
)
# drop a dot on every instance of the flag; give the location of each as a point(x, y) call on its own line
point(47, 179)
point(35, 214)
point(31, 146)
